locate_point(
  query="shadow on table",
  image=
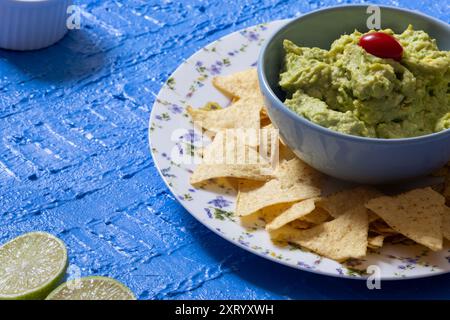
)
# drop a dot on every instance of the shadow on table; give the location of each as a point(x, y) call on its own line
point(76, 56)
point(290, 283)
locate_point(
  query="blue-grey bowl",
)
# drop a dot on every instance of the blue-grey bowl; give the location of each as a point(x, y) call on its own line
point(353, 158)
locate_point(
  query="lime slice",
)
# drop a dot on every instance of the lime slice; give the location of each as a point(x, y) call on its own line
point(31, 266)
point(92, 288)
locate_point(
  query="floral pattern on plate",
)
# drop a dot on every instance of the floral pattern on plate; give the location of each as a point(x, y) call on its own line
point(173, 139)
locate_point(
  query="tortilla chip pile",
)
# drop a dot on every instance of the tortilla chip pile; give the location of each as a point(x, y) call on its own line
point(289, 197)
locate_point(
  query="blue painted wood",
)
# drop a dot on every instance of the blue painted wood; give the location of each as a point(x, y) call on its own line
point(74, 156)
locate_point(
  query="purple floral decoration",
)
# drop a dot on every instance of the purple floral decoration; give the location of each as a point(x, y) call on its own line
point(166, 173)
point(164, 155)
point(208, 213)
point(409, 263)
point(412, 260)
point(219, 202)
point(250, 35)
point(244, 243)
point(214, 69)
point(180, 149)
point(175, 109)
point(304, 265)
point(190, 136)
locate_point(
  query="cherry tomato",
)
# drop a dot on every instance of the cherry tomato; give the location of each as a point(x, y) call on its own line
point(381, 45)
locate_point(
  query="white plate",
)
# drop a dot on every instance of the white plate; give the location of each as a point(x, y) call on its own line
point(171, 133)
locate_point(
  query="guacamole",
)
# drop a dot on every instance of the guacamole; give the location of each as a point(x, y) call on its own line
point(352, 91)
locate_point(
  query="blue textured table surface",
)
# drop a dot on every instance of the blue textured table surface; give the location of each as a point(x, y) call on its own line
point(74, 156)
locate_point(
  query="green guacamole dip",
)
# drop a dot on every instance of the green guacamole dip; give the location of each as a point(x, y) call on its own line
point(352, 91)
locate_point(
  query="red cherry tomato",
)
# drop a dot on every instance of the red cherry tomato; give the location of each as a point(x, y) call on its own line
point(381, 45)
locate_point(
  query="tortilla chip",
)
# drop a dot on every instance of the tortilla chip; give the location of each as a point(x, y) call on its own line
point(265, 120)
point(264, 216)
point(286, 154)
point(271, 212)
point(446, 223)
point(317, 216)
point(296, 211)
point(380, 227)
point(253, 222)
point(399, 238)
point(208, 172)
point(285, 234)
point(373, 216)
point(442, 172)
point(446, 192)
point(294, 171)
point(440, 187)
point(241, 114)
point(375, 242)
point(210, 106)
point(254, 195)
point(416, 214)
point(227, 156)
point(300, 224)
point(294, 181)
point(340, 239)
point(241, 85)
point(340, 202)
point(264, 114)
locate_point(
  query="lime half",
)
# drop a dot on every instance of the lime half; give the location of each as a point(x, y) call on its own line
point(92, 288)
point(31, 266)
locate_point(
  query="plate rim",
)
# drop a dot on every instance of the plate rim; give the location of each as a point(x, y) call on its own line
point(230, 239)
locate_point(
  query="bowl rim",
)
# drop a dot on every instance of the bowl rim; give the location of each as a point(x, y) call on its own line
point(283, 108)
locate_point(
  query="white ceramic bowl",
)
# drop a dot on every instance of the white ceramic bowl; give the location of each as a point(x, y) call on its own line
point(32, 24)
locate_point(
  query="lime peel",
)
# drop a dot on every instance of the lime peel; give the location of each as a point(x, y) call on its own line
point(92, 288)
point(31, 266)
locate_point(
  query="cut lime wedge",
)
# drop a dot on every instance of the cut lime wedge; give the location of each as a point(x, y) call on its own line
point(31, 266)
point(92, 288)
